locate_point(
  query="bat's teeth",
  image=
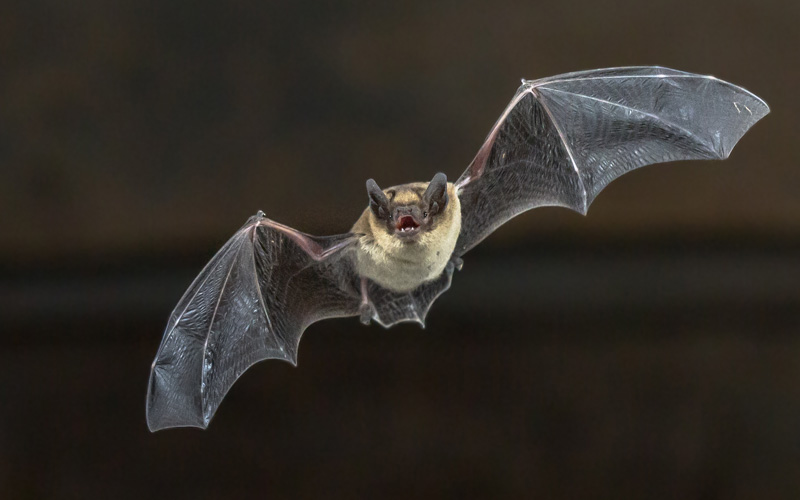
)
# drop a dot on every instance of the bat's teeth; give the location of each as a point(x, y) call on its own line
point(406, 222)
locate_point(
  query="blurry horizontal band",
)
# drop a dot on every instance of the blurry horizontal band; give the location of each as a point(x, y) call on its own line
point(568, 280)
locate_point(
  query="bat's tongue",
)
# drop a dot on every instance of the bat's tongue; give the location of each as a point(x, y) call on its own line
point(407, 222)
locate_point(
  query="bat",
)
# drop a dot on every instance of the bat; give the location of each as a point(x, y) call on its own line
point(559, 142)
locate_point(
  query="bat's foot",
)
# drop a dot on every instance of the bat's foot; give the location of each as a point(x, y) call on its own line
point(366, 311)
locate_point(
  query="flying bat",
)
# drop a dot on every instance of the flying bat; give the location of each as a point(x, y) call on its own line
point(559, 142)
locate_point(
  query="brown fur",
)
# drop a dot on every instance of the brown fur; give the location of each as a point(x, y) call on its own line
point(400, 265)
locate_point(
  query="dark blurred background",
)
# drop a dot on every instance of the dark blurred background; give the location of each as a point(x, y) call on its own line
point(649, 350)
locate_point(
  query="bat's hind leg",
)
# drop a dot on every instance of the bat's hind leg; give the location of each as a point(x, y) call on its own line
point(366, 310)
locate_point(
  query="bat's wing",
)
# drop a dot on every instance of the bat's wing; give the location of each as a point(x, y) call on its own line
point(393, 307)
point(563, 139)
point(251, 302)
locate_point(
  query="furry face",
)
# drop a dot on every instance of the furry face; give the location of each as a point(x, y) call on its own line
point(410, 210)
point(409, 232)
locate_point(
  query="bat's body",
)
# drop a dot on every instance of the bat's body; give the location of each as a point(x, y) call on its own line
point(402, 262)
point(560, 141)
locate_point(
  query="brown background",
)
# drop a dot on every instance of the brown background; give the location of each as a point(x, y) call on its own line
point(649, 350)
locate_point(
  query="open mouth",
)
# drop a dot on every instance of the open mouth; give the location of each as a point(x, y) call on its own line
point(407, 225)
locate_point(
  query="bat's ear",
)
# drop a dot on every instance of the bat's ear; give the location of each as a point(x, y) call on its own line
point(436, 194)
point(377, 200)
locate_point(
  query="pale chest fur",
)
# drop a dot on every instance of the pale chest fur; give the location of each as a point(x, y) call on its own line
point(402, 266)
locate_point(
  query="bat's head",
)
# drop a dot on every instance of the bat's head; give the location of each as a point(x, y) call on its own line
point(410, 210)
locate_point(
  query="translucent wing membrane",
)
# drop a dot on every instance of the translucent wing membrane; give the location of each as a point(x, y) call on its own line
point(563, 139)
point(560, 141)
point(251, 302)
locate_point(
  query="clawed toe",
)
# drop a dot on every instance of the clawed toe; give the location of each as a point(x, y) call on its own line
point(366, 311)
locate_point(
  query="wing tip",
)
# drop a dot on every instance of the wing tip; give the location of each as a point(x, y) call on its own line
point(154, 427)
point(160, 415)
point(167, 418)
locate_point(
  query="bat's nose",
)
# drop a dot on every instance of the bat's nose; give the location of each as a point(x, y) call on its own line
point(406, 211)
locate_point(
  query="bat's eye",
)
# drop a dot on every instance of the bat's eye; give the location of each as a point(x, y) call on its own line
point(425, 214)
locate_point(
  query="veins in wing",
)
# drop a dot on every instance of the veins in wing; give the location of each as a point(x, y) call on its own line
point(255, 280)
point(276, 242)
point(204, 352)
point(566, 145)
point(188, 299)
point(613, 77)
point(478, 165)
point(654, 117)
point(270, 252)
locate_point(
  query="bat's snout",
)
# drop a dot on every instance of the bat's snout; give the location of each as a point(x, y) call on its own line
point(406, 223)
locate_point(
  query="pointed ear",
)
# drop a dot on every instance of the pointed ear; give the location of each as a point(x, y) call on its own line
point(377, 200)
point(436, 194)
